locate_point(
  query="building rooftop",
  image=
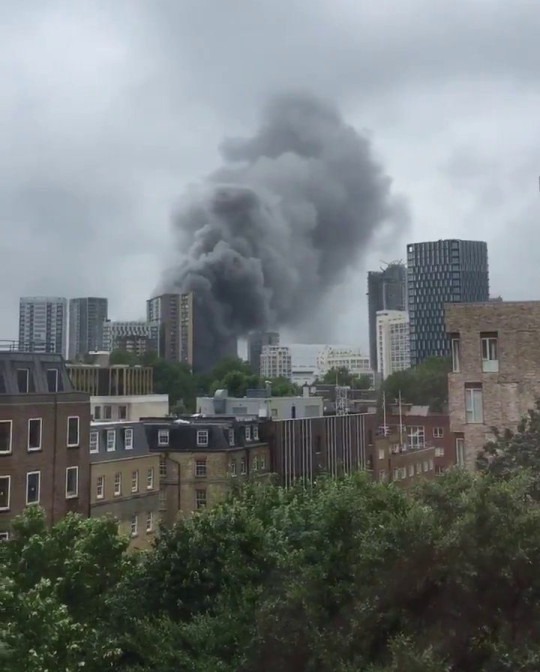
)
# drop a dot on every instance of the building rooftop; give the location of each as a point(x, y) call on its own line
point(33, 373)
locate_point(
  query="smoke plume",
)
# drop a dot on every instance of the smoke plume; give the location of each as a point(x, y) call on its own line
point(268, 234)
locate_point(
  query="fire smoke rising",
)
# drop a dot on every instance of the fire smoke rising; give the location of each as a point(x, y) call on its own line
point(269, 233)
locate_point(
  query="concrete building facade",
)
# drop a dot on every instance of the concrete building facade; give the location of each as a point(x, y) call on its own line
point(136, 337)
point(495, 375)
point(393, 342)
point(441, 272)
point(276, 362)
point(256, 340)
point(86, 318)
point(351, 359)
point(277, 408)
point(130, 407)
point(43, 324)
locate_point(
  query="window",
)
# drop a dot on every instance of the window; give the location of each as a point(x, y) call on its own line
point(122, 412)
point(439, 452)
point(135, 481)
point(202, 437)
point(382, 475)
point(200, 468)
point(100, 487)
point(455, 354)
point(4, 536)
point(97, 412)
point(5, 436)
point(23, 380)
point(255, 463)
point(248, 433)
point(418, 467)
point(416, 437)
point(490, 356)
point(117, 484)
point(149, 521)
point(163, 467)
point(5, 492)
point(460, 452)
point(107, 412)
point(231, 437)
point(396, 474)
point(243, 469)
point(233, 467)
point(33, 482)
point(425, 465)
point(73, 432)
point(134, 525)
point(411, 470)
point(94, 442)
point(438, 432)
point(255, 432)
point(381, 453)
point(163, 437)
point(200, 499)
point(128, 438)
point(72, 482)
point(431, 464)
point(150, 478)
point(474, 411)
point(52, 380)
point(162, 500)
point(34, 434)
point(262, 463)
point(111, 440)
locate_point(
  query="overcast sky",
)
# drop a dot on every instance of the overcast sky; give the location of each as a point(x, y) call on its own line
point(109, 109)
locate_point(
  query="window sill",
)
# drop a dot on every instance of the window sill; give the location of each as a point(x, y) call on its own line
point(72, 496)
point(34, 450)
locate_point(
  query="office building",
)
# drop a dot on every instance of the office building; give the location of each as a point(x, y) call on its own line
point(43, 324)
point(136, 337)
point(441, 272)
point(182, 334)
point(352, 359)
point(276, 362)
point(86, 318)
point(495, 375)
point(393, 345)
point(387, 290)
point(255, 342)
point(44, 431)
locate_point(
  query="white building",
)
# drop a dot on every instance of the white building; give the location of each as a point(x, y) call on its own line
point(393, 342)
point(114, 333)
point(43, 324)
point(276, 408)
point(276, 362)
point(132, 407)
point(352, 359)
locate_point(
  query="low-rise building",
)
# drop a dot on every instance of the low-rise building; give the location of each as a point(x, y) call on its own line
point(124, 480)
point(203, 458)
point(44, 430)
point(116, 380)
point(260, 405)
point(392, 460)
point(495, 376)
point(132, 407)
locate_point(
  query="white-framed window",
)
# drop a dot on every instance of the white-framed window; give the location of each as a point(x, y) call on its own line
point(262, 463)
point(243, 467)
point(438, 432)
point(418, 467)
point(395, 474)
point(255, 432)
point(200, 468)
point(425, 466)
point(135, 481)
point(233, 467)
point(149, 521)
point(382, 475)
point(128, 438)
point(411, 470)
point(202, 437)
point(382, 453)
point(403, 472)
point(163, 437)
point(94, 442)
point(111, 440)
point(52, 380)
point(150, 478)
point(5, 493)
point(248, 432)
point(162, 500)
point(34, 434)
point(416, 437)
point(231, 437)
point(100, 487)
point(72, 482)
point(490, 353)
point(33, 487)
point(439, 451)
point(73, 431)
point(23, 380)
point(474, 405)
point(163, 467)
point(117, 484)
point(200, 499)
point(6, 433)
point(460, 452)
point(431, 464)
point(4, 536)
point(455, 354)
point(134, 524)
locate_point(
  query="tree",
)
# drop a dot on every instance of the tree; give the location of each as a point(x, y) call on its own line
point(123, 357)
point(342, 376)
point(424, 385)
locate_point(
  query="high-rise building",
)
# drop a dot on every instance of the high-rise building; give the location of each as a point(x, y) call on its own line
point(86, 318)
point(276, 362)
point(387, 290)
point(43, 324)
point(256, 341)
point(393, 344)
point(136, 337)
point(441, 272)
point(180, 327)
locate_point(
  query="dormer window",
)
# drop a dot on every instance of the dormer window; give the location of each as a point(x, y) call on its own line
point(163, 437)
point(255, 432)
point(248, 432)
point(231, 437)
point(202, 438)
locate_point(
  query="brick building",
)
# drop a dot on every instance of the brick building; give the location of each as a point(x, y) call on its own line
point(124, 480)
point(391, 460)
point(496, 370)
point(44, 433)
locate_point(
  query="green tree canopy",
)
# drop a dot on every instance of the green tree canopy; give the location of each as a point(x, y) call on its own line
point(424, 385)
point(342, 376)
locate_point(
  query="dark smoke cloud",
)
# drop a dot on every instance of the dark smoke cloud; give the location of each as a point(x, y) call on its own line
point(293, 208)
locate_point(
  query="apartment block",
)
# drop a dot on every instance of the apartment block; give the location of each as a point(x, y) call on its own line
point(391, 460)
point(44, 434)
point(86, 318)
point(124, 480)
point(136, 337)
point(393, 342)
point(256, 340)
point(276, 362)
point(495, 375)
point(202, 459)
point(43, 324)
